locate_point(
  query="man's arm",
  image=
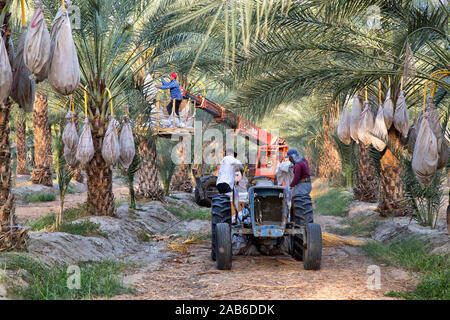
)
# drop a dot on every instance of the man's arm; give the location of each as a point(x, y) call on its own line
point(297, 175)
point(169, 85)
point(238, 164)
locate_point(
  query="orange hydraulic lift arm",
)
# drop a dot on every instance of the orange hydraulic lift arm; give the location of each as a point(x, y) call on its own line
point(239, 124)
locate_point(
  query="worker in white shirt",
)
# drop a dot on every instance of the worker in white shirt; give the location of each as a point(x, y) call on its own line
point(225, 180)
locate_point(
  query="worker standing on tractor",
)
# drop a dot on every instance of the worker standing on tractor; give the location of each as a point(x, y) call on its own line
point(240, 180)
point(225, 180)
point(300, 189)
point(175, 93)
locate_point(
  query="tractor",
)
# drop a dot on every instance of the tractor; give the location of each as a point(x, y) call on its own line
point(268, 159)
point(263, 214)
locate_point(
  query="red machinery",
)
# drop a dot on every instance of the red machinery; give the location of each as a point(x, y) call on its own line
point(271, 150)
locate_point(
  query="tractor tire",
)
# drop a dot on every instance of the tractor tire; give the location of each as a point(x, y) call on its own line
point(224, 250)
point(220, 213)
point(297, 247)
point(208, 183)
point(312, 252)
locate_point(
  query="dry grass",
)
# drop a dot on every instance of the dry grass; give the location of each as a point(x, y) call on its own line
point(332, 240)
point(182, 244)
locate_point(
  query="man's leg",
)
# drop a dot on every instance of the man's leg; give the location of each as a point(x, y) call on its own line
point(302, 205)
point(169, 107)
point(177, 106)
point(223, 188)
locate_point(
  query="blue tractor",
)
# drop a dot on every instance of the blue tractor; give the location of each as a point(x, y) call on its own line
point(262, 214)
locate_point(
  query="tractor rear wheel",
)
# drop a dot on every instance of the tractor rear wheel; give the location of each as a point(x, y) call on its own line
point(297, 247)
point(223, 242)
point(209, 186)
point(312, 251)
point(220, 213)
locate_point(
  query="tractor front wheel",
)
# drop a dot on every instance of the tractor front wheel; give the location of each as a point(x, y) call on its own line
point(312, 247)
point(220, 213)
point(223, 249)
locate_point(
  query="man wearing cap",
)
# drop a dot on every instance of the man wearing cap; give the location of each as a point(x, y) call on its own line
point(301, 188)
point(175, 93)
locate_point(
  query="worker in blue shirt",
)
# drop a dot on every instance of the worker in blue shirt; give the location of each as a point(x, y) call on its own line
point(175, 93)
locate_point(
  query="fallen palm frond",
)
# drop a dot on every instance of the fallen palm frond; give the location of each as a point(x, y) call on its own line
point(332, 240)
point(13, 237)
point(182, 245)
point(158, 237)
point(178, 246)
point(196, 237)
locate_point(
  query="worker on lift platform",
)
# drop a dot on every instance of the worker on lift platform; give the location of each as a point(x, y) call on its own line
point(175, 93)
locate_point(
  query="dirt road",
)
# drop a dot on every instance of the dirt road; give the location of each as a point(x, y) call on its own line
point(193, 275)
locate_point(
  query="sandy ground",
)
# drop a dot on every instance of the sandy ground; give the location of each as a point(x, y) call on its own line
point(344, 274)
point(193, 275)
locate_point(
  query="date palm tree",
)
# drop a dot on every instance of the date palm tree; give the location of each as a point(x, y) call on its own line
point(11, 236)
point(108, 44)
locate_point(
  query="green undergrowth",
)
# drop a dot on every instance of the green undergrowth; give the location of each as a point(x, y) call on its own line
point(71, 189)
point(143, 236)
point(414, 255)
point(102, 279)
point(199, 236)
point(40, 197)
point(333, 202)
point(185, 213)
point(82, 228)
point(356, 227)
point(70, 214)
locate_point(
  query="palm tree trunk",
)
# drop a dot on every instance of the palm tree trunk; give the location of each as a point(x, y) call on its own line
point(329, 165)
point(366, 186)
point(100, 196)
point(59, 217)
point(78, 176)
point(181, 180)
point(6, 197)
point(11, 237)
point(48, 148)
point(392, 194)
point(448, 203)
point(42, 173)
point(21, 140)
point(149, 185)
